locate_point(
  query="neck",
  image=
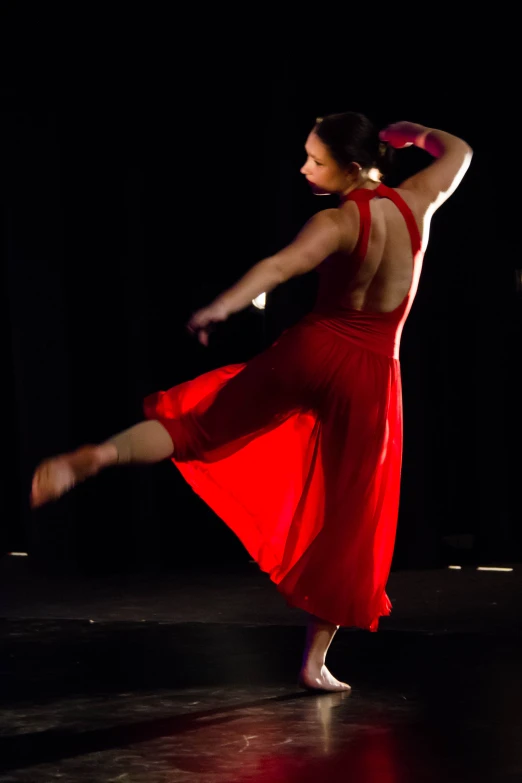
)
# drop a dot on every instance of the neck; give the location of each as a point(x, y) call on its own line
point(362, 182)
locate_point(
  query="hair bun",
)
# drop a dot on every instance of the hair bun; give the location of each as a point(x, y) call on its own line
point(385, 157)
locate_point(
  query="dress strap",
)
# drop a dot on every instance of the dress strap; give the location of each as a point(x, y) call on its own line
point(362, 197)
point(385, 192)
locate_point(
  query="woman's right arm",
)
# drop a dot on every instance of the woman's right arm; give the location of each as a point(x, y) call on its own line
point(434, 184)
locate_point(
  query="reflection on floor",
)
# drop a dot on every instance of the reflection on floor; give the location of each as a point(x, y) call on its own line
point(133, 679)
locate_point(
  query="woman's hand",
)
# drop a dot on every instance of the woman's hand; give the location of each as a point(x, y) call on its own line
point(203, 322)
point(402, 134)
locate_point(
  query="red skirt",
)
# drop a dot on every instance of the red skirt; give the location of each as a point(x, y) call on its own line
point(299, 452)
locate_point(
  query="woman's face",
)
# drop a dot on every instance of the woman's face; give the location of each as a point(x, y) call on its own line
point(324, 175)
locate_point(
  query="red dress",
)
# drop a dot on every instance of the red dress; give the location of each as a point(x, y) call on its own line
point(299, 450)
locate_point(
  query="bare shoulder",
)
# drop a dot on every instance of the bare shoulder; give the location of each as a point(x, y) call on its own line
point(347, 219)
point(325, 224)
point(325, 216)
point(323, 235)
point(328, 219)
point(415, 201)
point(341, 224)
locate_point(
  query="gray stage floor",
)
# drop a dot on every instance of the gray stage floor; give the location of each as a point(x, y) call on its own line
point(192, 677)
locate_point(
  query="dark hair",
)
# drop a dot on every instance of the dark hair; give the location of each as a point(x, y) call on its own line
point(353, 138)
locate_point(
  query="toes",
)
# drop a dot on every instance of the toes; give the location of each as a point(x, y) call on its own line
point(35, 487)
point(322, 682)
point(42, 489)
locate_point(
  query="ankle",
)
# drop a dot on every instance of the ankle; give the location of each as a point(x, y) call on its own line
point(314, 662)
point(106, 454)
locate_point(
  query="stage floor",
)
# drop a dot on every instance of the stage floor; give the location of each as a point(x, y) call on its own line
point(192, 677)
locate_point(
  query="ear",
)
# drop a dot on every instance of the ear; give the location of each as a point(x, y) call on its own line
point(354, 169)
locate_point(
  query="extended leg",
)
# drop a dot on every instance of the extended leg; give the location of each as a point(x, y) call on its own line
point(146, 442)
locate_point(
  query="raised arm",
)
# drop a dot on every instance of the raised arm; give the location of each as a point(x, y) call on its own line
point(434, 184)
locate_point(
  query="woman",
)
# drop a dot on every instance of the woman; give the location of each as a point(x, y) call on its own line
point(299, 450)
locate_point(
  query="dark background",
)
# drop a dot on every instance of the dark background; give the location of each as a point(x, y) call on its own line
point(144, 167)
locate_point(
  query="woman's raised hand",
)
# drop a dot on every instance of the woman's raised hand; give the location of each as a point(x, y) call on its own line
point(402, 134)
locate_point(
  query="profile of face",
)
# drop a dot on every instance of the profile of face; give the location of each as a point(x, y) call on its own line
point(322, 172)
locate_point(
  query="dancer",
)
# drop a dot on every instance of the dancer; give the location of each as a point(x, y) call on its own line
point(299, 450)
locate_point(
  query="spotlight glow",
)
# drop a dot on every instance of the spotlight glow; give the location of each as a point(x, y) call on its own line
point(455, 568)
point(18, 554)
point(490, 568)
point(260, 301)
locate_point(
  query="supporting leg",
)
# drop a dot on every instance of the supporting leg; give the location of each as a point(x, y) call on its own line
point(314, 675)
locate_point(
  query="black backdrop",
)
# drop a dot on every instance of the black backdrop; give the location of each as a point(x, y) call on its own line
point(138, 183)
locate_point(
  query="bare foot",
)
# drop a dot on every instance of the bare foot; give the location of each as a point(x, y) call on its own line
point(318, 678)
point(55, 476)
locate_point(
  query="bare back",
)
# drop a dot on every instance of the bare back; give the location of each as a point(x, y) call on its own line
point(383, 279)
